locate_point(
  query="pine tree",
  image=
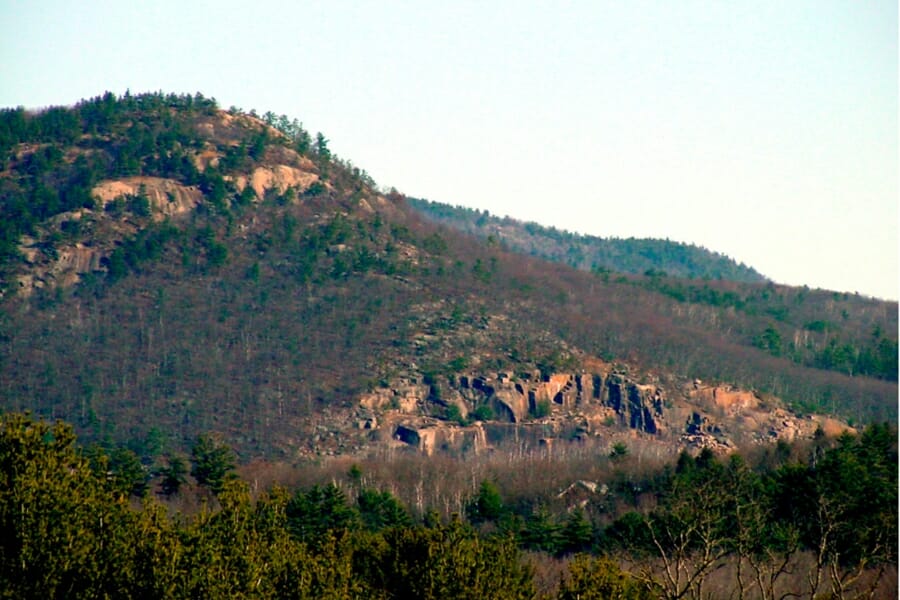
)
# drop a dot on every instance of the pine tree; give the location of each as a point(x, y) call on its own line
point(213, 462)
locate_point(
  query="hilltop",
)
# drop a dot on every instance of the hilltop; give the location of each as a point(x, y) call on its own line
point(588, 252)
point(170, 268)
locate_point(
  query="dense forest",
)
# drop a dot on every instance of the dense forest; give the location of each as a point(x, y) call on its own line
point(801, 521)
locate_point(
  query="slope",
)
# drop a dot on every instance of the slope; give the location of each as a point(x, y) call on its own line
point(171, 268)
point(587, 252)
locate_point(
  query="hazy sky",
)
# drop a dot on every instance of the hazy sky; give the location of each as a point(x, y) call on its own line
point(764, 130)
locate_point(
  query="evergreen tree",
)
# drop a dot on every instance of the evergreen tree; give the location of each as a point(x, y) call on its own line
point(577, 532)
point(487, 505)
point(313, 514)
point(174, 475)
point(380, 510)
point(212, 462)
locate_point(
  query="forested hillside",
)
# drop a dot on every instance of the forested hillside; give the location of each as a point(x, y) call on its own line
point(587, 252)
point(171, 268)
point(285, 382)
point(684, 273)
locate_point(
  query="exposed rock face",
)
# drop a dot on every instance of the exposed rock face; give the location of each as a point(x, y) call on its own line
point(66, 263)
point(637, 406)
point(229, 128)
point(727, 398)
point(509, 404)
point(582, 406)
point(73, 261)
point(61, 267)
point(54, 263)
point(279, 178)
point(405, 396)
point(590, 399)
point(167, 197)
point(723, 412)
point(431, 436)
point(701, 432)
point(555, 388)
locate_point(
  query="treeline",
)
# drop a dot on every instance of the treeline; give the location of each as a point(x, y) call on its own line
point(588, 252)
point(824, 524)
point(99, 115)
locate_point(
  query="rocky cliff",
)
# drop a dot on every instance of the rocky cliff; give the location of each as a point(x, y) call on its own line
point(472, 412)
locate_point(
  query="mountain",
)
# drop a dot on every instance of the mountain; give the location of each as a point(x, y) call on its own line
point(587, 252)
point(169, 268)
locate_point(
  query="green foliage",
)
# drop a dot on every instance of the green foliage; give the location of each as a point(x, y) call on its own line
point(846, 505)
point(315, 514)
point(128, 135)
point(819, 325)
point(293, 129)
point(140, 205)
point(435, 244)
point(770, 341)
point(619, 451)
point(540, 531)
point(174, 475)
point(556, 362)
point(147, 245)
point(67, 531)
point(458, 364)
point(540, 409)
point(381, 510)
point(321, 148)
point(841, 508)
point(213, 462)
point(217, 254)
point(228, 334)
point(577, 533)
point(487, 505)
point(695, 276)
point(128, 475)
point(599, 579)
point(452, 411)
point(452, 561)
point(62, 533)
point(629, 532)
point(316, 188)
point(483, 413)
point(481, 272)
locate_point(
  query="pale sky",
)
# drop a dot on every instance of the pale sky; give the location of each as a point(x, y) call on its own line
point(764, 130)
